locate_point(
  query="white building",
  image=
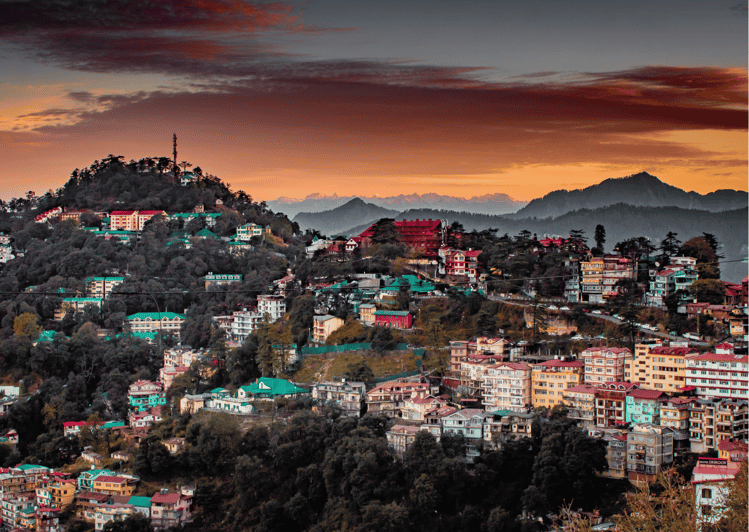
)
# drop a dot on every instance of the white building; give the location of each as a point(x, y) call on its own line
point(507, 386)
point(722, 374)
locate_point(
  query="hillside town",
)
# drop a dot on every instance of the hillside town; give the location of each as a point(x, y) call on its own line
point(185, 322)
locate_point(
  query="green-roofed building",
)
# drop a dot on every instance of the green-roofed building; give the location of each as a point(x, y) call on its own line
point(209, 217)
point(410, 282)
point(142, 505)
point(150, 322)
point(269, 388)
point(76, 304)
point(206, 233)
point(47, 336)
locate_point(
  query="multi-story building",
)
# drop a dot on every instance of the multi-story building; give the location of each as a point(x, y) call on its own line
point(86, 503)
point(400, 438)
point(247, 231)
point(600, 275)
point(643, 406)
point(101, 287)
point(105, 513)
point(433, 420)
point(47, 520)
point(389, 397)
point(144, 395)
point(581, 402)
point(507, 386)
point(323, 326)
point(504, 425)
point(665, 282)
point(611, 403)
point(393, 319)
point(472, 371)
point(366, 313)
point(675, 415)
point(551, 378)
point(659, 368)
point(714, 420)
point(123, 221)
point(272, 305)
point(468, 422)
point(616, 450)
point(346, 395)
point(17, 510)
point(604, 364)
point(114, 485)
point(56, 492)
point(144, 216)
point(417, 407)
point(733, 450)
point(423, 236)
point(76, 304)
point(722, 374)
point(460, 349)
point(710, 478)
point(459, 263)
point(182, 356)
point(169, 322)
point(171, 509)
point(650, 448)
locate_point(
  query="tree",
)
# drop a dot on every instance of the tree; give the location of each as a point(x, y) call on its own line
point(707, 260)
point(538, 316)
point(27, 325)
point(708, 290)
point(736, 502)
point(670, 244)
point(359, 372)
point(600, 236)
point(668, 507)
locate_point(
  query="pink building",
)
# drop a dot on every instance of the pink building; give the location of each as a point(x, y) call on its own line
point(605, 364)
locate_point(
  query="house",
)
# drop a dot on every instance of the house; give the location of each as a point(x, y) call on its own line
point(93, 458)
point(643, 406)
point(389, 397)
point(459, 263)
point(167, 374)
point(616, 450)
point(324, 326)
point(144, 419)
point(274, 306)
point(433, 420)
point(366, 313)
point(104, 513)
point(144, 395)
point(76, 304)
point(190, 404)
point(9, 437)
point(505, 425)
point(85, 481)
point(184, 218)
point(394, 319)
point(174, 445)
point(400, 438)
point(47, 519)
point(710, 479)
point(114, 485)
point(213, 280)
point(468, 422)
point(172, 509)
point(416, 407)
point(507, 386)
point(549, 380)
point(600, 275)
point(611, 403)
point(650, 448)
point(123, 220)
point(733, 450)
point(247, 231)
point(169, 322)
point(182, 356)
point(86, 503)
point(346, 395)
point(266, 388)
point(144, 216)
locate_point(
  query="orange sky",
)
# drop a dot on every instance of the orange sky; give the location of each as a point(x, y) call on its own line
point(271, 100)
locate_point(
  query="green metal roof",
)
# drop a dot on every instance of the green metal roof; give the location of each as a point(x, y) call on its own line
point(155, 316)
point(140, 502)
point(47, 336)
point(270, 386)
point(113, 424)
point(83, 299)
point(391, 313)
point(206, 233)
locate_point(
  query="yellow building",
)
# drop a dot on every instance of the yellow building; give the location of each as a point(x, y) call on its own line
point(114, 485)
point(551, 378)
point(658, 368)
point(62, 492)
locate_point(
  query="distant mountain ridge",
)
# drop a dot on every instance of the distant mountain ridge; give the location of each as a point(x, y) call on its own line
point(487, 204)
point(641, 190)
point(338, 220)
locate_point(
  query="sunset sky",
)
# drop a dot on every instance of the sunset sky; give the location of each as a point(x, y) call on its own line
point(378, 96)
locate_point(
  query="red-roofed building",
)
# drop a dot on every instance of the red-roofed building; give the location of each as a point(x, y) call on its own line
point(114, 485)
point(459, 263)
point(123, 220)
point(507, 386)
point(472, 371)
point(709, 478)
point(605, 364)
point(433, 420)
point(389, 397)
point(611, 403)
point(423, 236)
point(722, 375)
point(733, 450)
point(581, 402)
point(643, 406)
point(144, 216)
point(170, 509)
point(459, 349)
point(551, 378)
point(657, 367)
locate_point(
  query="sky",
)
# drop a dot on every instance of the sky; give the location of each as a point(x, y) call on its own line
point(387, 97)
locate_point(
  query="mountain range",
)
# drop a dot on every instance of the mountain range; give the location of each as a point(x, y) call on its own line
point(487, 204)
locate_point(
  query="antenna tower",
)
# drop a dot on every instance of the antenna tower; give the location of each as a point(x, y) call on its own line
point(174, 144)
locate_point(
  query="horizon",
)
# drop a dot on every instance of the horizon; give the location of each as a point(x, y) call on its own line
point(356, 98)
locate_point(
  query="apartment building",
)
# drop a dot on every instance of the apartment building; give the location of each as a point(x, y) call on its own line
point(714, 420)
point(507, 386)
point(550, 379)
point(169, 322)
point(389, 397)
point(721, 375)
point(600, 275)
point(604, 364)
point(611, 403)
point(482, 345)
point(503, 426)
point(650, 448)
point(658, 367)
point(400, 438)
point(272, 305)
point(581, 403)
point(346, 395)
point(323, 326)
point(643, 406)
point(144, 395)
point(616, 450)
point(675, 415)
point(472, 371)
point(101, 287)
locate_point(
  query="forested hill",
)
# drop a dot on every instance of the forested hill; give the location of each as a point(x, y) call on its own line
point(622, 222)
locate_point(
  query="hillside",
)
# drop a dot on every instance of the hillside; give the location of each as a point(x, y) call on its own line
point(336, 221)
point(640, 190)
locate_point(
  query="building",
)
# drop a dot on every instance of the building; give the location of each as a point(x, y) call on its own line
point(393, 319)
point(272, 305)
point(468, 422)
point(323, 326)
point(182, 356)
point(417, 407)
point(114, 485)
point(144, 395)
point(581, 403)
point(269, 388)
point(167, 374)
point(214, 280)
point(423, 236)
point(505, 425)
point(86, 503)
point(47, 519)
point(400, 438)
point(433, 420)
point(459, 349)
point(611, 403)
point(714, 420)
point(650, 448)
point(472, 371)
point(733, 450)
point(459, 263)
point(123, 221)
point(348, 396)
point(659, 368)
point(604, 364)
point(550, 379)
point(722, 374)
point(168, 322)
point(665, 282)
point(643, 406)
point(389, 397)
point(76, 304)
point(507, 386)
point(366, 313)
point(246, 232)
point(105, 513)
point(171, 509)
point(600, 275)
point(710, 479)
point(144, 216)
point(101, 287)
point(675, 412)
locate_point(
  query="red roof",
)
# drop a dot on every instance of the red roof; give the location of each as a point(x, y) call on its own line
point(716, 467)
point(616, 350)
point(146, 213)
point(426, 400)
point(165, 498)
point(584, 388)
point(512, 365)
point(75, 424)
point(561, 364)
point(111, 479)
point(722, 357)
point(639, 393)
point(122, 213)
point(728, 446)
point(672, 351)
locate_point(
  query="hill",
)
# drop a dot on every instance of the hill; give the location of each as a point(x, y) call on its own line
point(641, 190)
point(336, 221)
